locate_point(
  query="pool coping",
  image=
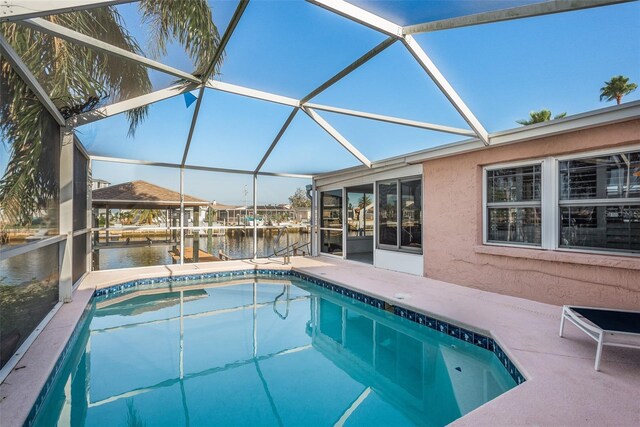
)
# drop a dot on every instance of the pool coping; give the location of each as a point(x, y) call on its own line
point(517, 405)
point(23, 386)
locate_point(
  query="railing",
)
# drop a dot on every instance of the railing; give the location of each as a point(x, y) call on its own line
point(289, 248)
point(11, 251)
point(293, 248)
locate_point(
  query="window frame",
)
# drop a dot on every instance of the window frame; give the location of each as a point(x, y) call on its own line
point(633, 201)
point(551, 203)
point(521, 204)
point(321, 228)
point(398, 246)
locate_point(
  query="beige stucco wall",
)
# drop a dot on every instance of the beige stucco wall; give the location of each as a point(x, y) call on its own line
point(453, 249)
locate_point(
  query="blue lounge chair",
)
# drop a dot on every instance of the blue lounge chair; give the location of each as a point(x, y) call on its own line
point(618, 328)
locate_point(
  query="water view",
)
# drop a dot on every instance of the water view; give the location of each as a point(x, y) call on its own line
point(238, 245)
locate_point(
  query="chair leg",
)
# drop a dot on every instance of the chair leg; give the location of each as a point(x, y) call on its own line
point(599, 352)
point(562, 323)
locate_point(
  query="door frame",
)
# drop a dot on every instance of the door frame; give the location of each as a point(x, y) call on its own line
point(345, 227)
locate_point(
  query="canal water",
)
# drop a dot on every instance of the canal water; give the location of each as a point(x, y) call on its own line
point(237, 246)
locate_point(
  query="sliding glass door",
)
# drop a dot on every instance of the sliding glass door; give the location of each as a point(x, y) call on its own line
point(360, 223)
point(331, 222)
point(400, 215)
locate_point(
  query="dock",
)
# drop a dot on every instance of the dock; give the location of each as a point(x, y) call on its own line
point(188, 255)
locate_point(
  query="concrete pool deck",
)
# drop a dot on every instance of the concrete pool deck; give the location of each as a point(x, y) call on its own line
point(562, 388)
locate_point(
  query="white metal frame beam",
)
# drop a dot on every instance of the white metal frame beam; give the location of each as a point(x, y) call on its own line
point(348, 69)
point(277, 139)
point(192, 127)
point(344, 72)
point(65, 33)
point(337, 6)
point(371, 20)
point(162, 94)
point(255, 217)
point(430, 68)
point(252, 93)
point(537, 9)
point(394, 120)
point(278, 99)
point(337, 136)
point(130, 104)
point(360, 15)
point(14, 10)
point(65, 280)
point(23, 71)
point(242, 5)
point(13, 251)
point(194, 167)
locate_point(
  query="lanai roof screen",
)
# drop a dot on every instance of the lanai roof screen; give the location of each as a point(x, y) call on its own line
point(302, 88)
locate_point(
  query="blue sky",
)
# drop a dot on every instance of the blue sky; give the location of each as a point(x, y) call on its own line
point(502, 71)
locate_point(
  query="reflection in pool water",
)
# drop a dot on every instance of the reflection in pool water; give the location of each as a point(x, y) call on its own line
point(264, 352)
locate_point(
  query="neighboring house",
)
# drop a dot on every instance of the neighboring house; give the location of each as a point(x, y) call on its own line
point(97, 184)
point(273, 214)
point(142, 195)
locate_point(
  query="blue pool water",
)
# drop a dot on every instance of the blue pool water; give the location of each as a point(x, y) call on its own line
point(262, 352)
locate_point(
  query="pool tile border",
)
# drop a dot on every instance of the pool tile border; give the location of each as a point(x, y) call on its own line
point(475, 338)
point(122, 287)
point(455, 331)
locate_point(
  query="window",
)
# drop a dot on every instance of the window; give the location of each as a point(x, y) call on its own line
point(514, 206)
point(587, 202)
point(411, 214)
point(400, 214)
point(388, 213)
point(599, 203)
point(331, 222)
point(360, 211)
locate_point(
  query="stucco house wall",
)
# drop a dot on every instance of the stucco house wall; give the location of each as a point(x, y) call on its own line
point(453, 249)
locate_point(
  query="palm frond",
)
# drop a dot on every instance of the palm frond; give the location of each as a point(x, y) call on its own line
point(189, 23)
point(541, 116)
point(616, 88)
point(78, 79)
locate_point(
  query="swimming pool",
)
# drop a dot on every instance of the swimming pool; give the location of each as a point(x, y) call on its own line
point(265, 350)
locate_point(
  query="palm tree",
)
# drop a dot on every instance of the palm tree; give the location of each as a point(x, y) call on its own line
point(364, 201)
point(78, 79)
point(126, 217)
point(147, 216)
point(539, 117)
point(616, 88)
